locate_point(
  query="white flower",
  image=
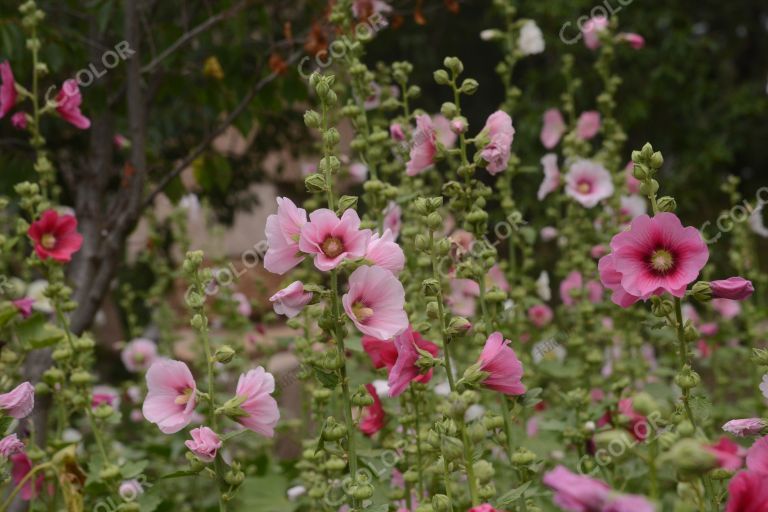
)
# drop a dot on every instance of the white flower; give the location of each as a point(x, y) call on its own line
point(542, 286)
point(756, 222)
point(490, 34)
point(548, 350)
point(474, 412)
point(295, 493)
point(36, 291)
point(382, 387)
point(531, 40)
point(764, 386)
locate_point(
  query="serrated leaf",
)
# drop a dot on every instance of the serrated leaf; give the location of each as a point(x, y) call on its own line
point(328, 379)
point(35, 332)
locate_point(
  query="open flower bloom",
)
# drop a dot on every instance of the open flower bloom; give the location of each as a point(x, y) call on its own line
point(575, 282)
point(331, 239)
point(68, 105)
point(204, 443)
point(106, 395)
point(171, 395)
point(748, 491)
point(591, 30)
point(55, 236)
point(21, 466)
point(745, 427)
point(501, 133)
point(18, 402)
point(444, 133)
point(256, 388)
point(405, 369)
point(393, 218)
point(656, 255)
point(383, 353)
point(373, 417)
point(422, 155)
point(540, 315)
point(531, 40)
point(375, 302)
point(384, 252)
point(551, 176)
point(139, 354)
point(588, 124)
point(7, 89)
point(10, 445)
point(291, 300)
point(24, 306)
point(729, 455)
point(552, 129)
point(578, 493)
point(504, 369)
point(734, 288)
point(588, 183)
point(283, 230)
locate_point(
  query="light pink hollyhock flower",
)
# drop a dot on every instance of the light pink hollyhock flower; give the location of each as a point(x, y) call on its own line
point(283, 231)
point(631, 207)
point(171, 395)
point(307, 169)
point(139, 354)
point(358, 172)
point(130, 490)
point(745, 427)
point(656, 255)
point(636, 41)
point(504, 369)
point(244, 307)
point(423, 148)
point(257, 387)
point(551, 176)
point(290, 300)
point(588, 183)
point(18, 402)
point(576, 493)
point(19, 120)
point(540, 315)
point(375, 302)
point(204, 443)
point(443, 131)
point(392, 218)
point(496, 277)
point(332, 240)
point(462, 299)
point(459, 125)
point(757, 456)
point(764, 386)
point(727, 308)
point(633, 184)
point(68, 105)
point(384, 252)
point(24, 306)
point(22, 465)
point(485, 507)
point(598, 251)
point(729, 455)
point(575, 281)
point(396, 132)
point(405, 370)
point(629, 503)
point(588, 124)
point(552, 129)
point(734, 288)
point(10, 445)
point(709, 329)
point(7, 89)
point(591, 29)
point(548, 233)
point(501, 133)
point(105, 395)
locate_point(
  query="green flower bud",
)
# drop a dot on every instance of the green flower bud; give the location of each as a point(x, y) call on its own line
point(477, 432)
point(234, 478)
point(315, 183)
point(458, 326)
point(362, 398)
point(335, 464)
point(523, 456)
point(656, 160)
point(449, 110)
point(345, 203)
point(434, 221)
point(81, 377)
point(421, 242)
point(430, 287)
point(644, 403)
point(198, 321)
point(469, 86)
point(103, 411)
point(331, 137)
point(484, 471)
point(433, 310)
point(487, 491)
point(702, 291)
point(666, 204)
point(689, 457)
point(441, 77)
point(333, 430)
point(224, 354)
point(454, 65)
point(362, 491)
point(760, 356)
point(109, 472)
point(53, 376)
point(687, 378)
point(312, 119)
point(451, 448)
point(686, 429)
point(441, 503)
point(649, 188)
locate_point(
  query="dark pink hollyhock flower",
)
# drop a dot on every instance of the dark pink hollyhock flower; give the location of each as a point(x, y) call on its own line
point(55, 236)
point(373, 417)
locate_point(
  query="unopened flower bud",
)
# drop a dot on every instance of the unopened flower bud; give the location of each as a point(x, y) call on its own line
point(523, 457)
point(666, 204)
point(224, 354)
point(687, 378)
point(484, 471)
point(702, 291)
point(458, 325)
point(362, 398)
point(690, 456)
point(315, 183)
point(441, 77)
point(441, 503)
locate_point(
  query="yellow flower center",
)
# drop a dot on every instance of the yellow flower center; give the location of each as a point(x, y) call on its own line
point(584, 187)
point(361, 311)
point(184, 398)
point(662, 260)
point(332, 247)
point(48, 241)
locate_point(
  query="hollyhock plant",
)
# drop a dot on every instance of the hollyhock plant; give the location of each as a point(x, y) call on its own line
point(588, 124)
point(444, 132)
point(106, 395)
point(553, 128)
point(578, 493)
point(171, 395)
point(283, 230)
point(551, 176)
point(331, 240)
point(19, 402)
point(204, 443)
point(500, 132)
point(405, 369)
point(373, 418)
point(7, 89)
point(68, 105)
point(734, 288)
point(384, 252)
point(375, 302)
point(139, 354)
point(255, 388)
point(55, 236)
point(504, 369)
point(591, 30)
point(291, 300)
point(588, 183)
point(422, 155)
point(10, 445)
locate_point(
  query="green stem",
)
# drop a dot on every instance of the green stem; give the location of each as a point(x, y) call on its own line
point(22, 483)
point(683, 348)
point(507, 424)
point(419, 465)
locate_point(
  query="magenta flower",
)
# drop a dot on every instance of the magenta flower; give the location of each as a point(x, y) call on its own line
point(373, 418)
point(734, 288)
point(24, 306)
point(283, 231)
point(139, 354)
point(291, 300)
point(729, 455)
point(501, 133)
point(106, 395)
point(588, 183)
point(504, 369)
point(332, 240)
point(551, 176)
point(575, 282)
point(629, 503)
point(636, 41)
point(540, 315)
point(10, 445)
point(656, 255)
point(405, 369)
point(485, 507)
point(591, 30)
point(588, 124)
point(19, 120)
point(256, 388)
point(384, 252)
point(574, 492)
point(18, 402)
point(396, 132)
point(375, 302)
point(204, 443)
point(171, 395)
point(747, 492)
point(22, 465)
point(727, 308)
point(552, 129)
point(55, 236)
point(757, 456)
point(68, 105)
point(422, 155)
point(7, 89)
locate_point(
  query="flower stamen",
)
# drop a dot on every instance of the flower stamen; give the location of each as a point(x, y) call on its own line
point(332, 247)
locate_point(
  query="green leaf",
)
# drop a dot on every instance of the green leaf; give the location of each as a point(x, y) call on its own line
point(509, 498)
point(133, 469)
point(266, 494)
point(328, 379)
point(36, 332)
point(5, 422)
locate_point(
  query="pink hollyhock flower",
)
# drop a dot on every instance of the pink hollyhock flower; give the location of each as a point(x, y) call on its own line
point(729, 454)
point(757, 456)
point(727, 308)
point(548, 233)
point(551, 176)
point(68, 105)
point(540, 315)
point(405, 370)
point(745, 427)
point(244, 308)
point(7, 89)
point(375, 302)
point(19, 120)
point(291, 300)
point(638, 425)
point(139, 354)
point(171, 395)
point(591, 29)
point(105, 395)
point(22, 465)
point(588, 124)
point(55, 236)
point(120, 141)
point(283, 231)
point(485, 507)
point(504, 369)
point(396, 132)
point(358, 172)
point(747, 492)
point(708, 329)
point(443, 131)
point(130, 490)
point(654, 256)
point(18, 402)
point(392, 218)
point(631, 207)
point(598, 251)
point(10, 445)
point(496, 277)
point(332, 240)
point(384, 252)
point(574, 492)
point(459, 125)
point(422, 155)
point(629, 503)
point(552, 129)
point(383, 353)
point(462, 299)
point(256, 387)
point(24, 306)
point(734, 288)
point(588, 183)
point(204, 443)
point(636, 41)
point(373, 418)
point(574, 281)
point(633, 184)
point(501, 133)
